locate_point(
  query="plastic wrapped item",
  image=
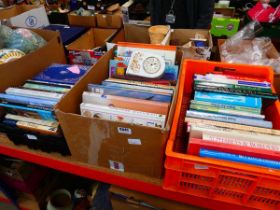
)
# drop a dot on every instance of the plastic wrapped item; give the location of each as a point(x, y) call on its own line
point(24, 40)
point(83, 12)
point(244, 48)
point(5, 33)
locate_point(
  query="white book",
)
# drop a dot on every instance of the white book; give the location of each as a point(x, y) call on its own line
point(34, 93)
point(200, 131)
point(31, 120)
point(123, 115)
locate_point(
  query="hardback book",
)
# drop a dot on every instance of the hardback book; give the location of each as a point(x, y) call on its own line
point(43, 129)
point(226, 90)
point(195, 145)
point(213, 109)
point(190, 120)
point(49, 88)
point(137, 87)
point(227, 135)
point(37, 82)
point(62, 73)
point(126, 103)
point(227, 106)
point(239, 158)
point(237, 80)
point(28, 112)
point(229, 119)
point(230, 99)
point(106, 90)
point(27, 101)
point(32, 120)
point(139, 83)
point(34, 93)
point(123, 115)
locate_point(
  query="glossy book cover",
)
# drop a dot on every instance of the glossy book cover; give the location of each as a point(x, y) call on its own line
point(62, 73)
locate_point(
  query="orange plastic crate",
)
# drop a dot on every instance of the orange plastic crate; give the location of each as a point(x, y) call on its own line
point(242, 184)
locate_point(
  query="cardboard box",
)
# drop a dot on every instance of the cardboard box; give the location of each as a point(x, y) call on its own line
point(18, 71)
point(81, 50)
point(272, 53)
point(180, 37)
point(228, 11)
point(134, 198)
point(109, 21)
point(76, 20)
point(106, 143)
point(26, 16)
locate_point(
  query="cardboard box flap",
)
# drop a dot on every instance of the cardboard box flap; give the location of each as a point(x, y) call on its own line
point(15, 10)
point(136, 33)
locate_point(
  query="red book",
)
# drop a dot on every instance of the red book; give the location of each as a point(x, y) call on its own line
point(195, 145)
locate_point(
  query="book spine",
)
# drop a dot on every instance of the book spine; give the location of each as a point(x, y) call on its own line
point(136, 87)
point(239, 158)
point(230, 119)
point(228, 99)
point(139, 83)
point(196, 144)
point(31, 120)
point(45, 88)
point(34, 93)
point(37, 82)
point(27, 100)
point(226, 106)
point(32, 127)
point(241, 142)
point(191, 120)
point(42, 114)
point(234, 80)
point(232, 86)
point(225, 111)
point(129, 93)
point(235, 91)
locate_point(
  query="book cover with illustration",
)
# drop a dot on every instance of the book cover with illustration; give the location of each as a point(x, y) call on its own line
point(62, 73)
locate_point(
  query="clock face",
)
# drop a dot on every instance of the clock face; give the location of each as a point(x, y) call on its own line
point(151, 65)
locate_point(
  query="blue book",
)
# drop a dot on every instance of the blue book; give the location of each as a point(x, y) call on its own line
point(27, 101)
point(229, 119)
point(239, 158)
point(62, 73)
point(229, 99)
point(117, 91)
point(29, 112)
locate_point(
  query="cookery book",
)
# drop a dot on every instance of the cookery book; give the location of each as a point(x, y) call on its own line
point(123, 115)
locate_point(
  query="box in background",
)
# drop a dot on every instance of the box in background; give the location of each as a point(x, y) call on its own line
point(108, 143)
point(109, 20)
point(180, 37)
point(223, 26)
point(82, 52)
point(77, 20)
point(26, 16)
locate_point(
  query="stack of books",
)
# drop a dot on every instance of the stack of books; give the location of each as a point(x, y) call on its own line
point(132, 99)
point(30, 107)
point(226, 120)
